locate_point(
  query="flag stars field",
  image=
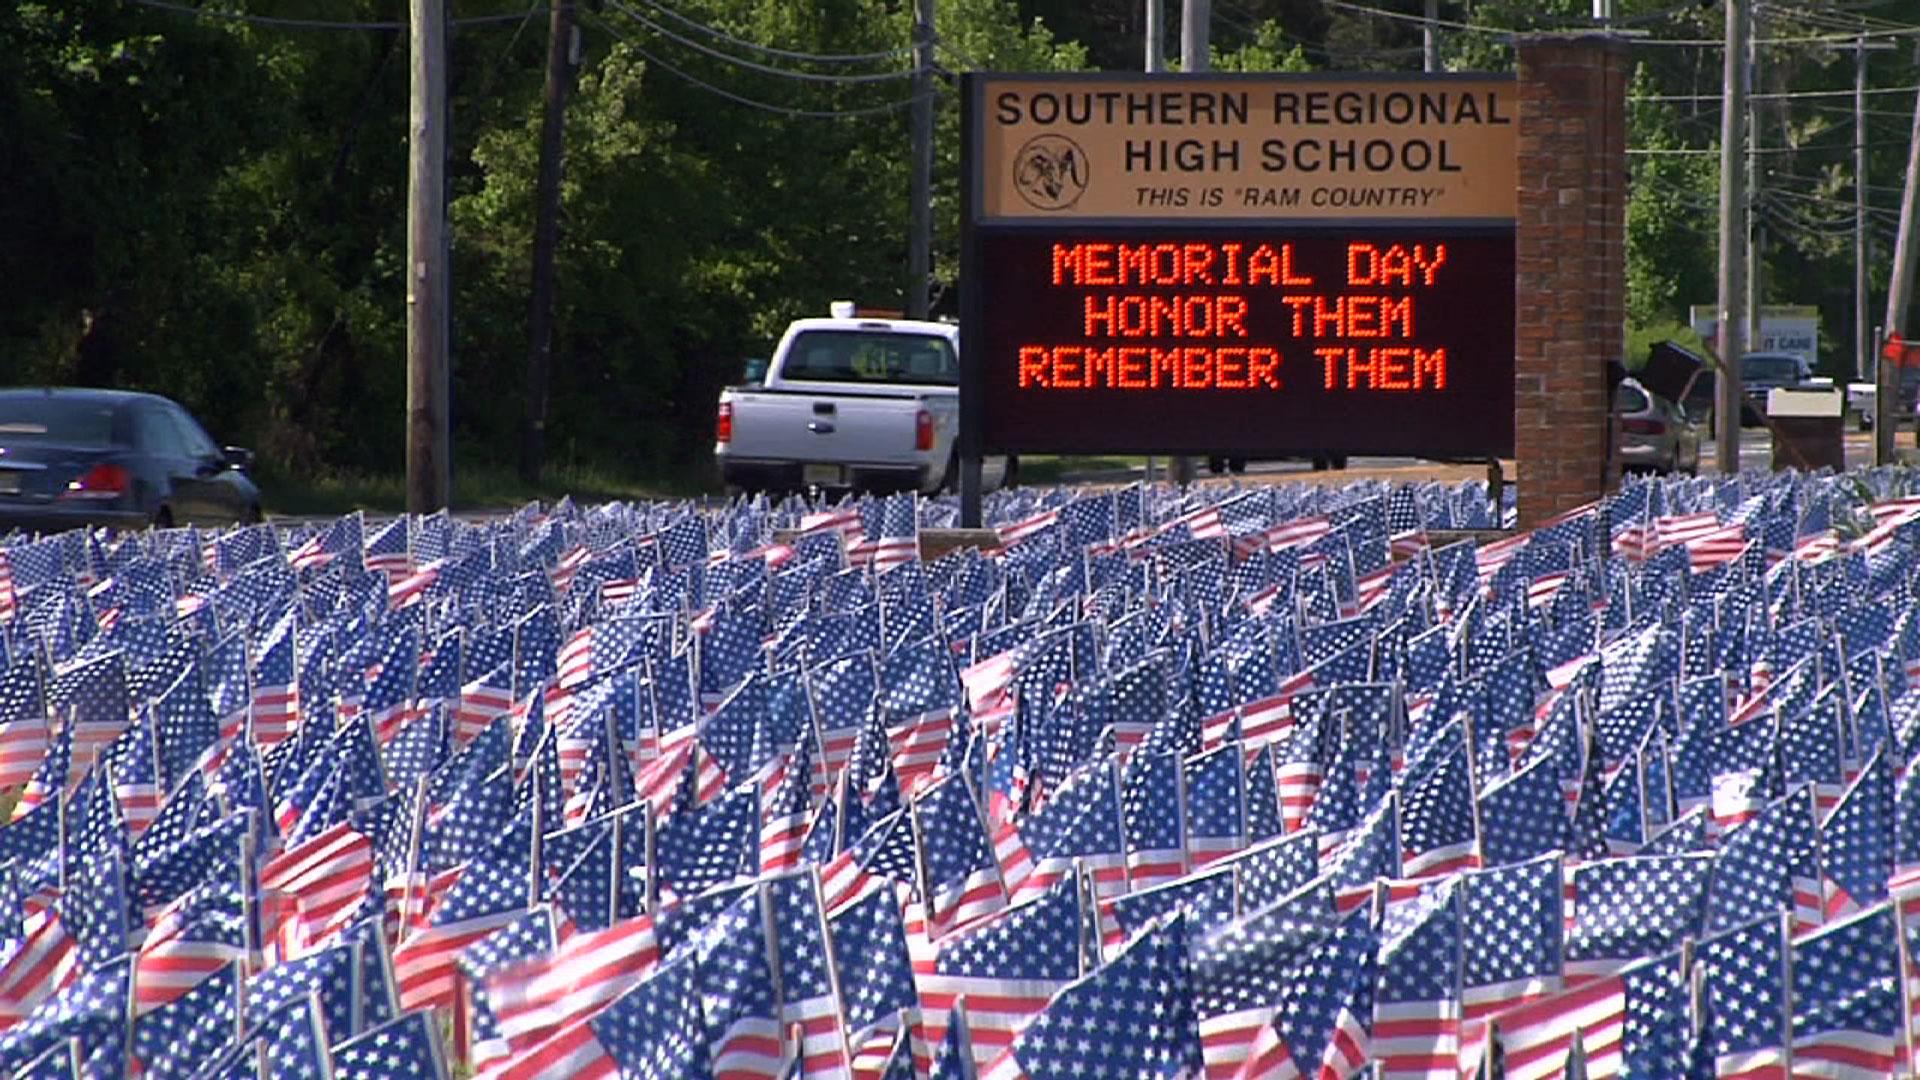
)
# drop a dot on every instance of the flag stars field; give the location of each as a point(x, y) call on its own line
point(1234, 782)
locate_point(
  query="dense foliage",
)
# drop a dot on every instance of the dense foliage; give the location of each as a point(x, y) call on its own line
point(215, 208)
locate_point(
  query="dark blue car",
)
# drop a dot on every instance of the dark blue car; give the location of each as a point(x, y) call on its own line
point(72, 457)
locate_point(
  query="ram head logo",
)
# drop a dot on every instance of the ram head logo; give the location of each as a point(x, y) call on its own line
point(1050, 172)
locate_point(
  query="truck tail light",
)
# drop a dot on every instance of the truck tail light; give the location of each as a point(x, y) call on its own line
point(1643, 427)
point(100, 482)
point(923, 430)
point(723, 424)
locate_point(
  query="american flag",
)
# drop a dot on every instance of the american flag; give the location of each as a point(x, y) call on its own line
point(536, 999)
point(1417, 1015)
point(1215, 788)
point(871, 966)
point(1240, 969)
point(405, 1046)
point(198, 935)
point(1079, 826)
point(531, 935)
point(742, 1029)
point(1512, 927)
point(1858, 840)
point(841, 691)
point(275, 694)
point(387, 551)
point(1623, 909)
point(1328, 1016)
point(326, 876)
point(489, 896)
point(963, 880)
point(177, 1039)
point(23, 721)
point(1153, 803)
point(657, 1028)
point(1150, 982)
point(1846, 997)
point(1439, 826)
point(1744, 981)
point(92, 697)
point(805, 974)
point(1769, 864)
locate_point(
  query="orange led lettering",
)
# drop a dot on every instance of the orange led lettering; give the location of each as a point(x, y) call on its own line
point(1391, 367)
point(1330, 362)
point(1131, 367)
point(1100, 367)
point(1230, 369)
point(1163, 312)
point(1430, 365)
point(1193, 369)
point(1263, 366)
point(1367, 264)
point(1230, 313)
point(1066, 263)
point(1429, 266)
point(1196, 264)
point(1033, 366)
point(1067, 370)
point(1232, 275)
point(1269, 267)
point(1377, 316)
point(1166, 367)
point(1097, 265)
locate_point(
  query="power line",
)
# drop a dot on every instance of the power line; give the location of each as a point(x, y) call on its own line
point(311, 24)
point(752, 103)
point(768, 50)
point(1790, 95)
point(1760, 150)
point(804, 76)
point(1819, 39)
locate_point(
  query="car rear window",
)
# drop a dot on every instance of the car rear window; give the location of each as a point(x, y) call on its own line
point(1632, 398)
point(1770, 367)
point(871, 357)
point(58, 421)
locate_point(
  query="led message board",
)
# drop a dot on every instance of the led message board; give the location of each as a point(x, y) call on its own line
point(1248, 341)
point(1238, 265)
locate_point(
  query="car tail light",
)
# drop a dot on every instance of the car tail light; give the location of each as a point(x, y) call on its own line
point(723, 424)
point(1643, 427)
point(99, 482)
point(923, 430)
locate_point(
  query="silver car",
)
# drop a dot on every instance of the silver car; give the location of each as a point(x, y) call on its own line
point(1655, 435)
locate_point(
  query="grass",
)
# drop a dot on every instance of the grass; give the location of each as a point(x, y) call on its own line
point(475, 487)
point(1049, 469)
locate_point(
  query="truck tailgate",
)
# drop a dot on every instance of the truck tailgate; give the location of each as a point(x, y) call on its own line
point(853, 429)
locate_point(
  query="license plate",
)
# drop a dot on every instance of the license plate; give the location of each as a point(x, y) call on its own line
point(823, 475)
point(9, 483)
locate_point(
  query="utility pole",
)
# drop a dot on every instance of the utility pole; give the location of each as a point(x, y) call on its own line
point(920, 242)
point(546, 237)
point(1862, 347)
point(1156, 61)
point(1899, 297)
point(1754, 29)
point(1156, 36)
point(1430, 36)
point(1196, 31)
point(1733, 229)
point(1196, 18)
point(429, 472)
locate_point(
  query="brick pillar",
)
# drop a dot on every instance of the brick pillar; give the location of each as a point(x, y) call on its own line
point(1570, 267)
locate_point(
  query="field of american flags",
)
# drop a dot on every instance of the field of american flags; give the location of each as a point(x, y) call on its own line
point(1260, 782)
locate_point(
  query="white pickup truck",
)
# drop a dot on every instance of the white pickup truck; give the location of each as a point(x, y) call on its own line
point(849, 402)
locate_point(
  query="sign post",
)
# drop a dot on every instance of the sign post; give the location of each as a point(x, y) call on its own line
point(1250, 266)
